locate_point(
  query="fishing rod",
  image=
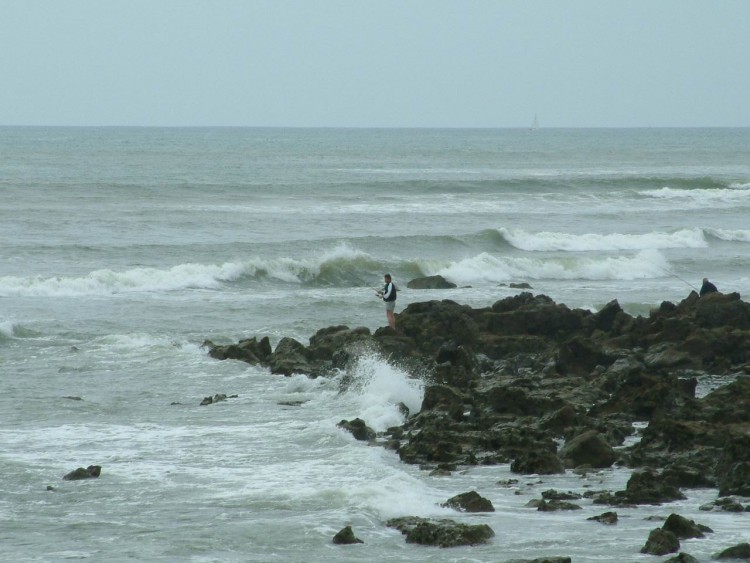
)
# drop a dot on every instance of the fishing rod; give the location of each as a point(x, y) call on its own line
point(670, 273)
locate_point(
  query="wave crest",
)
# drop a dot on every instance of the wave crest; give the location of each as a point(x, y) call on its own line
point(487, 268)
point(550, 241)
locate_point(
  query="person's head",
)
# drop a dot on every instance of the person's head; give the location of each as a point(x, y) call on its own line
point(705, 280)
point(387, 278)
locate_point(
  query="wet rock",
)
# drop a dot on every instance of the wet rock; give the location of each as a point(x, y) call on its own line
point(469, 502)
point(661, 542)
point(432, 324)
point(539, 462)
point(589, 448)
point(739, 551)
point(643, 487)
point(216, 399)
point(290, 357)
point(722, 310)
point(684, 528)
point(580, 355)
point(338, 345)
point(443, 398)
point(442, 533)
point(249, 350)
point(430, 282)
point(555, 505)
point(733, 468)
point(358, 428)
point(552, 494)
point(609, 518)
point(90, 472)
point(726, 504)
point(682, 558)
point(346, 537)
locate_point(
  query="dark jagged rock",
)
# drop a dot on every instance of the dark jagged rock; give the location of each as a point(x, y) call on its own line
point(430, 282)
point(443, 533)
point(726, 504)
point(539, 462)
point(643, 487)
point(443, 398)
point(290, 357)
point(609, 518)
point(216, 399)
point(684, 528)
point(555, 505)
point(589, 448)
point(661, 542)
point(682, 558)
point(733, 469)
point(338, 345)
point(346, 537)
point(358, 428)
point(469, 502)
point(739, 551)
point(249, 350)
point(90, 472)
point(506, 382)
point(552, 494)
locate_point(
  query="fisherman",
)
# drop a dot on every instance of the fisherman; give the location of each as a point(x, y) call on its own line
point(388, 294)
point(707, 287)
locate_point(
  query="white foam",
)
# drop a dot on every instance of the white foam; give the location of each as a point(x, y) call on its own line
point(551, 241)
point(6, 329)
point(738, 193)
point(378, 388)
point(176, 278)
point(492, 269)
point(738, 235)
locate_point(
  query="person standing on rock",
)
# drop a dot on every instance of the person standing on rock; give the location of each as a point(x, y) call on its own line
point(707, 287)
point(389, 296)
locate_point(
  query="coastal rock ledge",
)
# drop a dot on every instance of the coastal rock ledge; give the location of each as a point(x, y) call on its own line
point(509, 382)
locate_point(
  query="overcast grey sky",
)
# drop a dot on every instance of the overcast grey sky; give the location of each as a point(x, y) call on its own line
point(382, 63)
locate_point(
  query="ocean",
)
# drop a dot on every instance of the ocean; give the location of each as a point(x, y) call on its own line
point(123, 249)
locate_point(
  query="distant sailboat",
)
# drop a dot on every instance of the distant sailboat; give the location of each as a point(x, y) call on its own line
point(534, 124)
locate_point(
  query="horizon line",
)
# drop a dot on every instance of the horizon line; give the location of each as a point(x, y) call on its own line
point(375, 127)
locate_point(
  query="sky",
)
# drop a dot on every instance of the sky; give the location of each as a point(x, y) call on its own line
point(376, 63)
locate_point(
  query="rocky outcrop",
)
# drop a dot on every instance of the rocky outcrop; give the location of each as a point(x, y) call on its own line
point(358, 428)
point(661, 542)
point(509, 382)
point(739, 551)
point(471, 501)
point(346, 537)
point(442, 533)
point(90, 472)
point(430, 282)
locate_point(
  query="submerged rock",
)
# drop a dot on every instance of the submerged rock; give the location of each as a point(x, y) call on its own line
point(442, 533)
point(90, 472)
point(346, 537)
point(469, 502)
point(358, 428)
point(609, 518)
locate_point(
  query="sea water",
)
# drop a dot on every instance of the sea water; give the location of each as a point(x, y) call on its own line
point(123, 249)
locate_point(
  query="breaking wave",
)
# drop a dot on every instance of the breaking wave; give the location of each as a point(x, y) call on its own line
point(488, 268)
point(550, 241)
point(342, 265)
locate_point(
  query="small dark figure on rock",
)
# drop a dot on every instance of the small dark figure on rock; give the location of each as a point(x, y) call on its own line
point(707, 287)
